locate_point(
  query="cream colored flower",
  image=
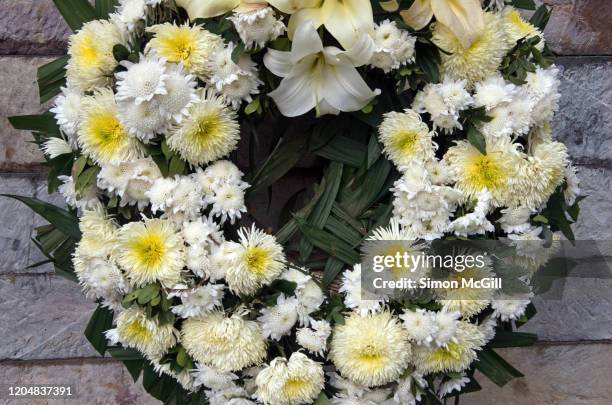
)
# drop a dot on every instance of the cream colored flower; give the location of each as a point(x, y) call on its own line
point(147, 335)
point(406, 137)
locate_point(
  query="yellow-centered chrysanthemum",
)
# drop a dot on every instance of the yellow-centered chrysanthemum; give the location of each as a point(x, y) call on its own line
point(211, 131)
point(137, 331)
point(192, 46)
point(225, 343)
point(406, 138)
point(91, 62)
point(151, 251)
point(99, 233)
point(296, 381)
point(542, 173)
point(517, 28)
point(101, 135)
point(372, 350)
point(496, 171)
point(481, 59)
point(456, 356)
point(257, 261)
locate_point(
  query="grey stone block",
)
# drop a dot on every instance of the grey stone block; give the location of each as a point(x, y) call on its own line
point(596, 209)
point(584, 121)
point(43, 317)
point(93, 381)
point(554, 375)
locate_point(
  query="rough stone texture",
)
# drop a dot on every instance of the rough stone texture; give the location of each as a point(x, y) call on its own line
point(32, 27)
point(595, 210)
point(43, 317)
point(584, 122)
point(94, 381)
point(19, 96)
point(554, 375)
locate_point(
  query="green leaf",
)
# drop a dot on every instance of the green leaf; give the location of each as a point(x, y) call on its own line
point(120, 52)
point(252, 107)
point(147, 293)
point(51, 77)
point(182, 358)
point(60, 218)
point(344, 150)
point(100, 322)
point(496, 368)
point(44, 123)
point(524, 4)
point(428, 59)
point(541, 16)
point(177, 166)
point(477, 139)
point(284, 156)
point(322, 399)
point(329, 243)
point(541, 219)
point(76, 12)
point(131, 359)
point(373, 151)
point(357, 198)
point(333, 267)
point(86, 180)
point(237, 52)
point(513, 339)
point(105, 7)
point(343, 231)
point(288, 230)
point(529, 313)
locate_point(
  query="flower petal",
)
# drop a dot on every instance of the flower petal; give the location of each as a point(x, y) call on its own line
point(344, 89)
point(291, 6)
point(361, 52)
point(348, 20)
point(296, 94)
point(418, 15)
point(464, 18)
point(278, 62)
point(305, 42)
point(206, 9)
point(301, 17)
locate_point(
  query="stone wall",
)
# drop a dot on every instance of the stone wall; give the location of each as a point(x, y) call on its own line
point(43, 316)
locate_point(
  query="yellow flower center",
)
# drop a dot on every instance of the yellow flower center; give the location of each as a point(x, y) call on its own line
point(107, 132)
point(370, 357)
point(178, 47)
point(515, 19)
point(87, 53)
point(150, 250)
point(257, 260)
point(445, 354)
point(206, 132)
point(137, 332)
point(296, 388)
point(405, 142)
point(485, 172)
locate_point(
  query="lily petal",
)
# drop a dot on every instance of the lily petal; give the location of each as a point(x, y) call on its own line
point(291, 6)
point(305, 42)
point(296, 94)
point(348, 20)
point(278, 62)
point(345, 89)
point(418, 15)
point(361, 52)
point(314, 15)
point(208, 8)
point(464, 18)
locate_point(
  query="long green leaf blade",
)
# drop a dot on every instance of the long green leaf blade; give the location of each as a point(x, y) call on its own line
point(496, 368)
point(100, 322)
point(76, 12)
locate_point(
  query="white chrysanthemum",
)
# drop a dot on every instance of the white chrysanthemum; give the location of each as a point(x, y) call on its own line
point(91, 62)
point(355, 297)
point(147, 335)
point(493, 92)
point(221, 258)
point(456, 356)
point(151, 251)
point(314, 339)
point(421, 325)
point(98, 277)
point(497, 171)
point(186, 198)
point(543, 87)
point(183, 377)
point(310, 298)
point(180, 94)
point(211, 131)
point(101, 134)
point(447, 323)
point(67, 111)
point(410, 389)
point(228, 201)
point(198, 301)
point(509, 307)
point(225, 343)
point(212, 378)
point(296, 381)
point(572, 189)
point(160, 194)
point(54, 147)
point(219, 172)
point(257, 260)
point(521, 112)
point(99, 235)
point(438, 171)
point(257, 27)
point(406, 138)
point(371, 350)
point(130, 180)
point(516, 28)
point(515, 220)
point(454, 384)
point(193, 46)
point(87, 199)
point(277, 321)
point(143, 80)
point(500, 125)
point(131, 13)
point(481, 59)
point(202, 232)
point(543, 172)
point(476, 222)
point(143, 121)
point(394, 47)
point(444, 101)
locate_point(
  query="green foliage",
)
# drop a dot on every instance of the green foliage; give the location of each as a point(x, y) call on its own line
point(51, 77)
point(76, 12)
point(105, 7)
point(495, 367)
point(100, 322)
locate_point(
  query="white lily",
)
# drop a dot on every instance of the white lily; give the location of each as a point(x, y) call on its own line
point(346, 20)
point(320, 77)
point(212, 8)
point(464, 18)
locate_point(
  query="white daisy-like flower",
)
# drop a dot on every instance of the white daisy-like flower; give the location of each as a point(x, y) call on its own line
point(228, 201)
point(447, 323)
point(67, 111)
point(493, 92)
point(212, 378)
point(87, 200)
point(99, 278)
point(508, 308)
point(501, 123)
point(136, 330)
point(277, 321)
point(421, 325)
point(180, 93)
point(444, 101)
point(410, 389)
point(453, 384)
point(310, 298)
point(131, 13)
point(143, 121)
point(521, 109)
point(476, 222)
point(198, 301)
point(515, 220)
point(314, 338)
point(54, 147)
point(187, 198)
point(406, 138)
point(143, 80)
point(257, 27)
point(394, 47)
point(160, 194)
point(202, 232)
point(130, 180)
point(219, 172)
point(363, 301)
